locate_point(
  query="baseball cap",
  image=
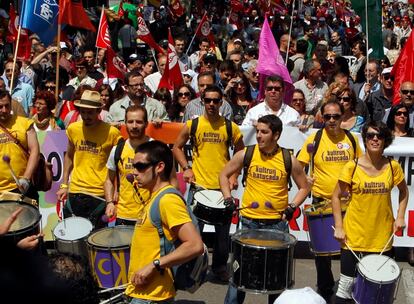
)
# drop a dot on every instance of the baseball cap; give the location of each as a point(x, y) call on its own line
point(386, 71)
point(190, 73)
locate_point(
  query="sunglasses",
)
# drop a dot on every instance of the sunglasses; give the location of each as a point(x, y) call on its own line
point(405, 92)
point(329, 116)
point(399, 113)
point(186, 94)
point(209, 100)
point(277, 89)
point(344, 98)
point(50, 87)
point(142, 166)
point(371, 135)
point(388, 77)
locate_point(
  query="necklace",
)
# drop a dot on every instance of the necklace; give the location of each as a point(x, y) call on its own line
point(271, 153)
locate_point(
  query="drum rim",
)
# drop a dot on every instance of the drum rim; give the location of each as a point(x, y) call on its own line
point(376, 281)
point(257, 291)
point(31, 226)
point(67, 218)
point(92, 245)
point(287, 246)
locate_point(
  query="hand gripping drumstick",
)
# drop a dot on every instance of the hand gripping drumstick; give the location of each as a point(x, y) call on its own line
point(6, 159)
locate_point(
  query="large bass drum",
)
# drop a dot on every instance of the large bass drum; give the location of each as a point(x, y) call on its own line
point(262, 261)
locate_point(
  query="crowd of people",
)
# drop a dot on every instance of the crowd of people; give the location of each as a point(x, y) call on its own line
point(336, 87)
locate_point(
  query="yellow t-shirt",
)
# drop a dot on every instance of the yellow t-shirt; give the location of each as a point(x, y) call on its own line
point(211, 154)
point(129, 203)
point(145, 247)
point(92, 148)
point(332, 154)
point(368, 221)
point(267, 185)
point(18, 127)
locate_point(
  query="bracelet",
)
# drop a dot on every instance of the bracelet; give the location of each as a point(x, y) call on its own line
point(63, 186)
point(109, 202)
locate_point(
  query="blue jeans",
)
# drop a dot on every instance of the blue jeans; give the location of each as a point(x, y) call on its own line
point(235, 296)
point(141, 301)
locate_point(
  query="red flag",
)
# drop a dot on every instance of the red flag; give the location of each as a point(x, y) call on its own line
point(121, 11)
point(145, 35)
point(72, 12)
point(103, 39)
point(204, 30)
point(13, 25)
point(403, 69)
point(172, 77)
point(115, 67)
point(236, 6)
point(176, 8)
point(234, 19)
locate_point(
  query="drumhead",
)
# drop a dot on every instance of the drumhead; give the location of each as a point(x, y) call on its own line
point(264, 238)
point(73, 228)
point(210, 198)
point(27, 218)
point(112, 237)
point(389, 272)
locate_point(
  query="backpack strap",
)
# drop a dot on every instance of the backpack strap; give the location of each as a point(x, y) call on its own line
point(117, 157)
point(229, 130)
point(248, 155)
point(352, 140)
point(287, 160)
point(193, 130)
point(166, 246)
point(316, 142)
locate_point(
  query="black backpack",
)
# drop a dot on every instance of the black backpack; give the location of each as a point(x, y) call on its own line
point(248, 155)
point(117, 157)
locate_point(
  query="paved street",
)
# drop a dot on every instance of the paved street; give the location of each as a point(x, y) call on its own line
point(214, 293)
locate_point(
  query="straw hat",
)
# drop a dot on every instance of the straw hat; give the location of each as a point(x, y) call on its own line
point(89, 99)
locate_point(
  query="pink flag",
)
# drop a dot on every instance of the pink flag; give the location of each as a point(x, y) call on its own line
point(270, 61)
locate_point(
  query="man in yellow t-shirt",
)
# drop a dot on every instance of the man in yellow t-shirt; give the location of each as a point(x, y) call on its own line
point(210, 155)
point(89, 143)
point(265, 198)
point(23, 165)
point(150, 273)
point(335, 149)
point(125, 201)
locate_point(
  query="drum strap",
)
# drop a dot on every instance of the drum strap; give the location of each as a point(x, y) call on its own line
point(117, 158)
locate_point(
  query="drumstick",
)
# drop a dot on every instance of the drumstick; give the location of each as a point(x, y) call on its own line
point(114, 288)
point(310, 149)
point(389, 240)
point(112, 298)
point(203, 188)
point(346, 244)
point(6, 159)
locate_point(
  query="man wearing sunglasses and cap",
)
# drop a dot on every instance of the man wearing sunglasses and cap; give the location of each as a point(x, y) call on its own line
point(210, 141)
point(89, 143)
point(379, 101)
point(326, 152)
point(407, 99)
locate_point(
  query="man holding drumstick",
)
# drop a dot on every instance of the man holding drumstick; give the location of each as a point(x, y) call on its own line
point(265, 199)
point(327, 152)
point(210, 144)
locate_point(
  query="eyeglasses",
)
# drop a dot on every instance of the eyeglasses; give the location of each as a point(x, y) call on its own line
point(142, 166)
point(209, 100)
point(80, 67)
point(344, 98)
point(186, 94)
point(50, 87)
point(329, 116)
point(255, 74)
point(399, 113)
point(405, 92)
point(298, 100)
point(371, 135)
point(137, 85)
point(388, 77)
point(277, 89)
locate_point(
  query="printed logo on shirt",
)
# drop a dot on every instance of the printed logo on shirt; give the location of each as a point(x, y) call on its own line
point(266, 174)
point(343, 146)
point(89, 146)
point(336, 156)
point(130, 164)
point(211, 137)
point(374, 188)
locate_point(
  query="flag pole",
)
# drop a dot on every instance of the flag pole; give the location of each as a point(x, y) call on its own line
point(15, 59)
point(366, 27)
point(57, 66)
point(192, 40)
point(155, 59)
point(290, 33)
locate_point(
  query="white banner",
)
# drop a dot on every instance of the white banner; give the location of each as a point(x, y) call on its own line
point(401, 149)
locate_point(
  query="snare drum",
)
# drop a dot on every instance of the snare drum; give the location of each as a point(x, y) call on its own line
point(262, 260)
point(210, 208)
point(320, 222)
point(26, 224)
point(109, 255)
point(376, 281)
point(70, 235)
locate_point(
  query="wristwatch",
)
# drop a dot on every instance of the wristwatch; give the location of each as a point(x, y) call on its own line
point(157, 265)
